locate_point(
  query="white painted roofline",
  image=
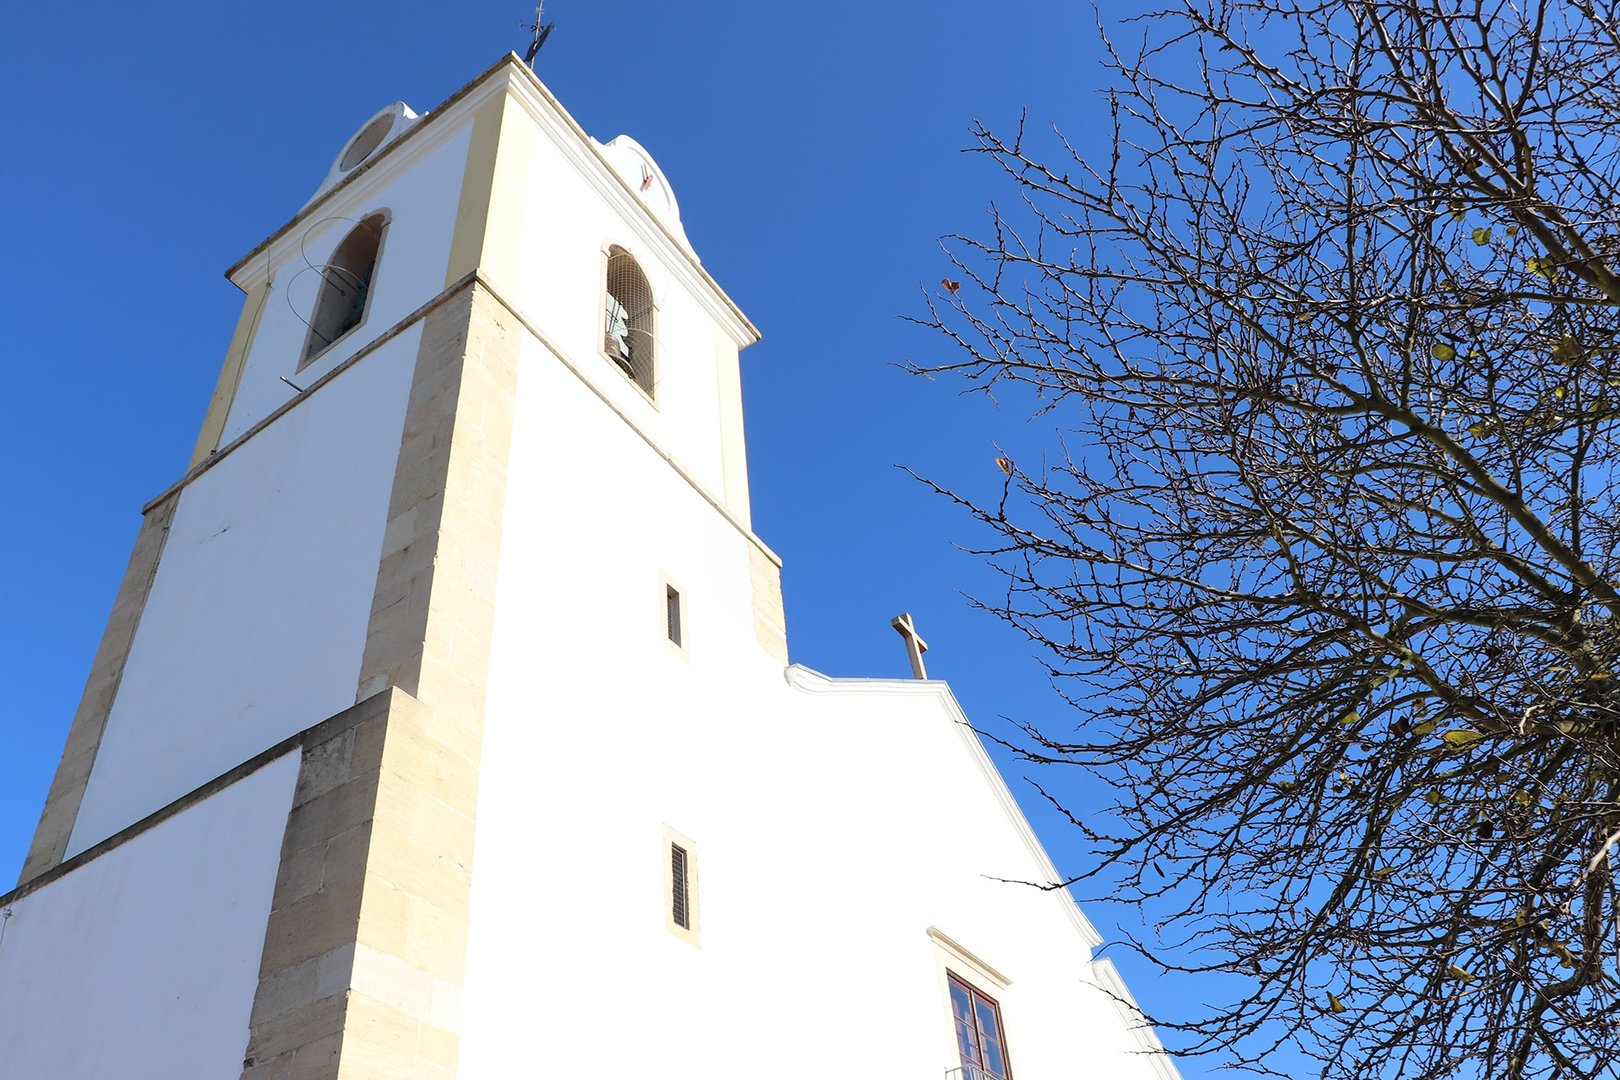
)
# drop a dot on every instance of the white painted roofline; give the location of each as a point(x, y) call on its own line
point(811, 681)
point(1109, 982)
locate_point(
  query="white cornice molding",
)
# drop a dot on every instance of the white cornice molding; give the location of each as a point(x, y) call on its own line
point(507, 75)
point(588, 159)
point(811, 681)
point(410, 321)
point(967, 958)
point(714, 501)
point(345, 202)
point(1106, 977)
point(431, 131)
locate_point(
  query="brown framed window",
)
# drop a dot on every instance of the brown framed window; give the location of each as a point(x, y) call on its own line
point(979, 1034)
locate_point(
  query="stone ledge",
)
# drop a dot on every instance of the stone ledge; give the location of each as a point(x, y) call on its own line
point(72, 776)
point(316, 734)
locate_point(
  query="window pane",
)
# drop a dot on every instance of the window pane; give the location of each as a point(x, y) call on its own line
point(962, 1012)
point(989, 1022)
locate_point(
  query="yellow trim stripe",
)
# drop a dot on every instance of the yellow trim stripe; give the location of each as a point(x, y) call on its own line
point(477, 185)
point(230, 375)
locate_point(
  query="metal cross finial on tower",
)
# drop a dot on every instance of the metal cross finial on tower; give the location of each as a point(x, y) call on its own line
point(915, 645)
point(542, 30)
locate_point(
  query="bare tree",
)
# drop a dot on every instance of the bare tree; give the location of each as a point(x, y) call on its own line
point(1330, 562)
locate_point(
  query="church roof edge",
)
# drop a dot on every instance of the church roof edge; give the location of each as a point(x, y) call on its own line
point(809, 680)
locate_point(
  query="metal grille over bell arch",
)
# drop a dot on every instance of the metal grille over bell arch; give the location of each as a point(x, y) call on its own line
point(629, 319)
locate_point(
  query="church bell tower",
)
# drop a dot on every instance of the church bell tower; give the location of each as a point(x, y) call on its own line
point(308, 621)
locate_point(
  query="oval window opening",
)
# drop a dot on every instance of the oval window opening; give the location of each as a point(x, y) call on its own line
point(367, 141)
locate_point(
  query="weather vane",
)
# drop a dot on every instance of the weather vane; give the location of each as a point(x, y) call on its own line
point(542, 30)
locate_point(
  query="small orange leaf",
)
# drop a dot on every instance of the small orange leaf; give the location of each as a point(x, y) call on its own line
point(1005, 465)
point(950, 286)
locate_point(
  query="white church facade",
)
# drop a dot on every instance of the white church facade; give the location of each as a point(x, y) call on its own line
point(443, 726)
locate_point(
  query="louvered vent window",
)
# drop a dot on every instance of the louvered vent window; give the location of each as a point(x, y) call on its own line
point(672, 613)
point(680, 906)
point(629, 334)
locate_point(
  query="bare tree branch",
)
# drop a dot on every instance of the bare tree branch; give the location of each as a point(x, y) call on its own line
point(1328, 312)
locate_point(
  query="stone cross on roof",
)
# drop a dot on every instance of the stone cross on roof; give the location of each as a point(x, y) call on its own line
point(915, 645)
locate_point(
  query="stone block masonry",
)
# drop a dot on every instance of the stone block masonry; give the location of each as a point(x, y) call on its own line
point(363, 952)
point(366, 943)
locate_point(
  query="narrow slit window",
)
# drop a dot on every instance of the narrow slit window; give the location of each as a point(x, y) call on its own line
point(672, 613)
point(682, 907)
point(680, 887)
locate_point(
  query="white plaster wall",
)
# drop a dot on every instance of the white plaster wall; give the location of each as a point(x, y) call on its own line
point(831, 829)
point(565, 229)
point(142, 964)
point(256, 620)
point(421, 195)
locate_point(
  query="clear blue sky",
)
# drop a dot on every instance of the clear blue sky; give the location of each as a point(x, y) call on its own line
point(815, 149)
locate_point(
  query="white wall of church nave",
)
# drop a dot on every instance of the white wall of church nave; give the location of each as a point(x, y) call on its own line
point(556, 280)
point(256, 620)
point(831, 831)
point(142, 964)
point(828, 841)
point(421, 201)
point(951, 854)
